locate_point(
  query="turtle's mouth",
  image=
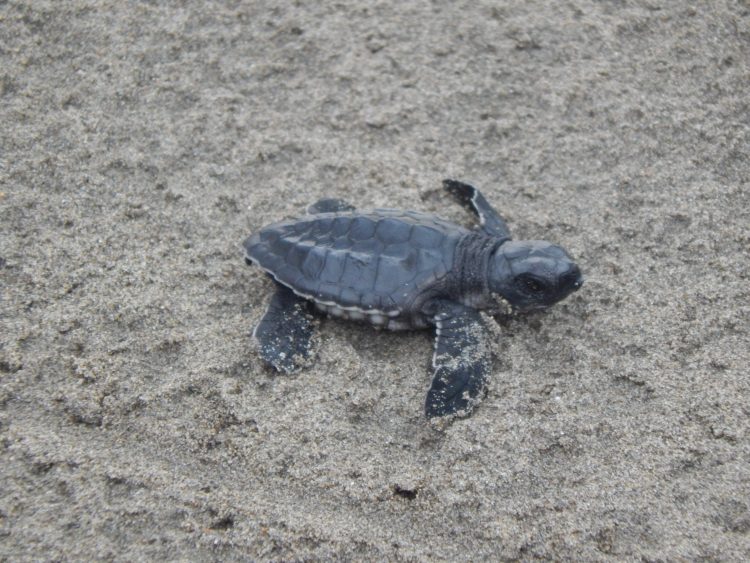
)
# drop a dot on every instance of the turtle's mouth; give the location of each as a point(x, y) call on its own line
point(501, 306)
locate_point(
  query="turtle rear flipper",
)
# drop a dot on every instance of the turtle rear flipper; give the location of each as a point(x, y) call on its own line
point(462, 361)
point(471, 198)
point(285, 332)
point(329, 205)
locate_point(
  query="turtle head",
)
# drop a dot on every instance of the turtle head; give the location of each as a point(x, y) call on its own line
point(533, 274)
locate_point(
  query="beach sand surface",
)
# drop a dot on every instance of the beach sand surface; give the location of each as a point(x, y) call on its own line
point(141, 142)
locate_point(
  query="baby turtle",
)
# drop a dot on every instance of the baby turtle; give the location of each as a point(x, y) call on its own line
point(404, 270)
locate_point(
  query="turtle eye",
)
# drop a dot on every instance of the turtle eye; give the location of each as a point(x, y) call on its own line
point(530, 284)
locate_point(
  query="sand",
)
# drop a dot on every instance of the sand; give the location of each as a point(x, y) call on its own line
point(141, 142)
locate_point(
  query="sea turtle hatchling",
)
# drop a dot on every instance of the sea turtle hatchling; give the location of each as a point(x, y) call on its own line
point(404, 270)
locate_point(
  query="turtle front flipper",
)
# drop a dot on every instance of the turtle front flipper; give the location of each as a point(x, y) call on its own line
point(329, 205)
point(471, 198)
point(462, 360)
point(285, 331)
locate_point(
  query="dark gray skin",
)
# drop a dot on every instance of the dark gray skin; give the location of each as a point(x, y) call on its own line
point(403, 270)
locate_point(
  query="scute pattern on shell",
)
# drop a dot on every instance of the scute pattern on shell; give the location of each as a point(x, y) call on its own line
point(376, 260)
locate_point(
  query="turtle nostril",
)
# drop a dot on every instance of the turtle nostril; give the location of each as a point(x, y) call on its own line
point(572, 279)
